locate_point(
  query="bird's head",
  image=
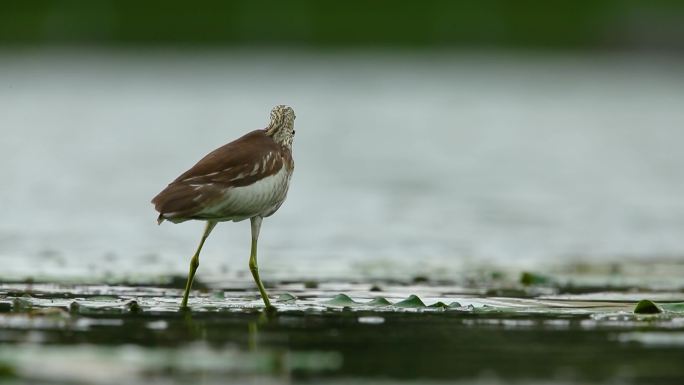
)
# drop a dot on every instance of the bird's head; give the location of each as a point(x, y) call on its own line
point(281, 127)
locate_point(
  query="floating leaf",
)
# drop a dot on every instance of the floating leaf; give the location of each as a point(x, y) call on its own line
point(74, 307)
point(133, 307)
point(493, 309)
point(7, 371)
point(22, 304)
point(646, 306)
point(103, 298)
point(411, 302)
point(83, 309)
point(673, 307)
point(420, 279)
point(455, 304)
point(497, 275)
point(439, 304)
point(379, 301)
point(5, 307)
point(286, 298)
point(528, 278)
point(341, 300)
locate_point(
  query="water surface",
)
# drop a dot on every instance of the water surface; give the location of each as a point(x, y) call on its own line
point(407, 163)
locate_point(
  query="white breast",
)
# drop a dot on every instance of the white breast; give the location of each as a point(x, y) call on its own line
point(262, 198)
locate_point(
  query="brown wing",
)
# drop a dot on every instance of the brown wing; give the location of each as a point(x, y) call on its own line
point(238, 163)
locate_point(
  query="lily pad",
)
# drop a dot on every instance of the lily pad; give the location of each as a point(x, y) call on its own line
point(133, 307)
point(420, 279)
point(673, 307)
point(440, 305)
point(646, 306)
point(528, 278)
point(74, 307)
point(5, 307)
point(7, 371)
point(22, 304)
point(379, 301)
point(411, 302)
point(103, 298)
point(341, 300)
point(286, 298)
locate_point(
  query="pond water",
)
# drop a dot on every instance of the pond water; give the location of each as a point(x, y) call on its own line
point(100, 334)
point(407, 163)
point(469, 218)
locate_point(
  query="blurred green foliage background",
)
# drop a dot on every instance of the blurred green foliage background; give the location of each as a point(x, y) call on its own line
point(581, 24)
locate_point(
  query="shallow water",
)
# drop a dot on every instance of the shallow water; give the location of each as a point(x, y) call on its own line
point(108, 334)
point(407, 163)
point(453, 218)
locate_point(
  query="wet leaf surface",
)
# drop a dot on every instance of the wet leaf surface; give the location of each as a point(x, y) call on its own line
point(334, 331)
point(647, 307)
point(339, 331)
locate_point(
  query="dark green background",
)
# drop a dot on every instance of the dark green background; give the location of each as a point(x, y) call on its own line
point(601, 24)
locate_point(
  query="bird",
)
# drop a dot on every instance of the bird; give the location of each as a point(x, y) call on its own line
point(247, 178)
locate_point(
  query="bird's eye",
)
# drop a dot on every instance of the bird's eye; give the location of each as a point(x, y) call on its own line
point(293, 132)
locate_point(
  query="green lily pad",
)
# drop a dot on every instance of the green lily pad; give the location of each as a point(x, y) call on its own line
point(439, 305)
point(528, 278)
point(379, 301)
point(341, 300)
point(411, 302)
point(5, 307)
point(74, 307)
point(420, 279)
point(455, 304)
point(103, 298)
point(673, 307)
point(22, 304)
point(493, 309)
point(286, 298)
point(497, 275)
point(646, 306)
point(83, 309)
point(7, 371)
point(133, 307)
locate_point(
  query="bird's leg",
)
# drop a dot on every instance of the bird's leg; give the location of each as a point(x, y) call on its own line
point(194, 263)
point(253, 266)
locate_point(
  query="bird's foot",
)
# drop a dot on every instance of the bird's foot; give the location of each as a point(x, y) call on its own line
point(270, 310)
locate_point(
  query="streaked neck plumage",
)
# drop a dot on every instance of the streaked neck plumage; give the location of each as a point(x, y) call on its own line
point(281, 127)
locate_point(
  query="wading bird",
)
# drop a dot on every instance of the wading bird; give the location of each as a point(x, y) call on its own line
point(245, 179)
